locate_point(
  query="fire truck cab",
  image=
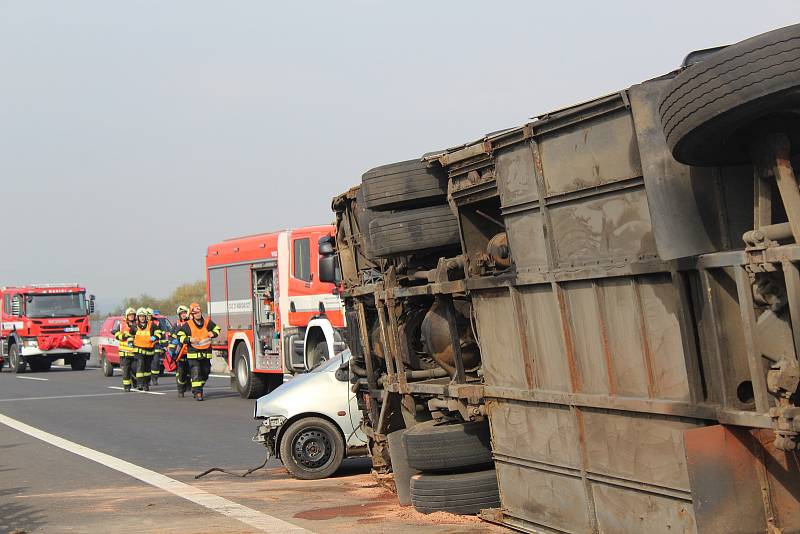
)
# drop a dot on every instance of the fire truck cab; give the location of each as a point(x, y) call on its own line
point(275, 314)
point(42, 323)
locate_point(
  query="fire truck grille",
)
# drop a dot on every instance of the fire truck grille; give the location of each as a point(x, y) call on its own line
point(53, 329)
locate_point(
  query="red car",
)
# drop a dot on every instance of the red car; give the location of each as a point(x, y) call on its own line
point(108, 346)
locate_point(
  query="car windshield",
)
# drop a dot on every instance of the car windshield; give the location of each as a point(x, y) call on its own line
point(59, 305)
point(332, 364)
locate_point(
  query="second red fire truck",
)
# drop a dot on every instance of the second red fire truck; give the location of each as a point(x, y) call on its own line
point(275, 314)
point(43, 323)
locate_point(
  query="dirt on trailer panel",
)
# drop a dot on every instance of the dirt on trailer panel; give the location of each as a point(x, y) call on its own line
point(349, 499)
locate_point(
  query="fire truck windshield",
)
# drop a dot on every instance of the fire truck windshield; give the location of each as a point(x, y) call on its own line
point(58, 305)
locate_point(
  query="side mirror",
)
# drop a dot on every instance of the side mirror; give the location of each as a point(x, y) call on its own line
point(329, 269)
point(326, 247)
point(90, 305)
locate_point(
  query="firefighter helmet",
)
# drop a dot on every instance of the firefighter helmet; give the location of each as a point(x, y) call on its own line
point(149, 312)
point(194, 305)
point(142, 312)
point(182, 308)
point(129, 311)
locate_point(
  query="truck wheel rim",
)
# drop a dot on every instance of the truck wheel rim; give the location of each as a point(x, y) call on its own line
point(241, 372)
point(313, 449)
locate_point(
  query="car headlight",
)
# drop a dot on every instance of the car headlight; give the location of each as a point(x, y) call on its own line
point(30, 343)
point(87, 341)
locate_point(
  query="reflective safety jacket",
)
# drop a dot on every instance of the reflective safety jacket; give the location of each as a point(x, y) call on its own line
point(123, 334)
point(174, 343)
point(143, 337)
point(198, 337)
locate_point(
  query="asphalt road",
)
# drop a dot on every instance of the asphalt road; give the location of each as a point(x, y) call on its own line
point(50, 485)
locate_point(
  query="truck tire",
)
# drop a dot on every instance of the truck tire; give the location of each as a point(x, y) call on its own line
point(433, 446)
point(108, 367)
point(77, 362)
point(400, 184)
point(404, 232)
point(706, 109)
point(457, 493)
point(248, 384)
point(40, 365)
point(16, 362)
point(312, 448)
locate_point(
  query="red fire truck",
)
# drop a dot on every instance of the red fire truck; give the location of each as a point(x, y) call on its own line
point(42, 323)
point(275, 314)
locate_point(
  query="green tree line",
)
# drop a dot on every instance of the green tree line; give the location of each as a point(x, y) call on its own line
point(183, 294)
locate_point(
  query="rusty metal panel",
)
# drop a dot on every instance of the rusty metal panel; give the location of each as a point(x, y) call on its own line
point(516, 181)
point(526, 238)
point(641, 447)
point(660, 308)
point(503, 364)
point(622, 510)
point(591, 153)
point(619, 305)
point(534, 431)
point(544, 329)
point(740, 483)
point(553, 500)
point(608, 227)
point(590, 344)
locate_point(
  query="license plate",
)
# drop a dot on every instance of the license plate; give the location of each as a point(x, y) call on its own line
point(71, 329)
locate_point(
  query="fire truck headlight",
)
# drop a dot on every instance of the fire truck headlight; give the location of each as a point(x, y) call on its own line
point(30, 343)
point(87, 341)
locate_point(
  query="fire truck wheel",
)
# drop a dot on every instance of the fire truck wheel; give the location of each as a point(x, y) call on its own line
point(457, 493)
point(77, 362)
point(248, 384)
point(709, 109)
point(434, 446)
point(40, 366)
point(312, 448)
point(404, 232)
point(108, 367)
point(16, 362)
point(407, 182)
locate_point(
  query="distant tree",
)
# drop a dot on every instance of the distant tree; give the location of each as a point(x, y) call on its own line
point(183, 294)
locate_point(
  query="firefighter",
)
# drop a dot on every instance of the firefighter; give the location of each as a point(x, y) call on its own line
point(155, 367)
point(177, 352)
point(197, 334)
point(126, 350)
point(145, 336)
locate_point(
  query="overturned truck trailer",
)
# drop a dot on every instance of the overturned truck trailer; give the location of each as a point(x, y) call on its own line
point(615, 286)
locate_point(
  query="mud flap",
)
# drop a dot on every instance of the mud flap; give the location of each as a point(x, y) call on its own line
point(740, 483)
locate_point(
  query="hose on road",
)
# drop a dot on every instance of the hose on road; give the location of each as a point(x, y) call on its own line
point(233, 473)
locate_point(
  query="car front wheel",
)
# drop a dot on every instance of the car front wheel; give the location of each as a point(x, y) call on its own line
point(312, 448)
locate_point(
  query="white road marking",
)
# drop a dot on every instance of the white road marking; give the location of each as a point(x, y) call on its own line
point(254, 518)
point(32, 378)
point(220, 376)
point(137, 391)
point(60, 397)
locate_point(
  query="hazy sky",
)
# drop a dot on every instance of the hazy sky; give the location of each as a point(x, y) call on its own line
point(134, 134)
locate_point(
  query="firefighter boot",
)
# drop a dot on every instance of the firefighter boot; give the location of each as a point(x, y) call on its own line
point(127, 388)
point(154, 379)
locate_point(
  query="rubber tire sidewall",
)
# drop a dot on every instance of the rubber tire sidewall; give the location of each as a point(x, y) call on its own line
point(708, 111)
point(77, 362)
point(18, 366)
point(457, 493)
point(108, 368)
point(450, 446)
point(39, 365)
point(286, 448)
point(254, 387)
point(413, 231)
